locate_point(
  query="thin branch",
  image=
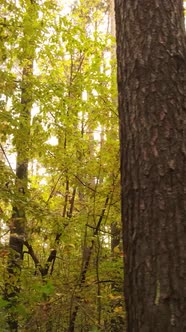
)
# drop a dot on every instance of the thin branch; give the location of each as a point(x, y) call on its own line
point(4, 153)
point(54, 188)
point(101, 216)
point(4, 234)
point(100, 230)
point(84, 184)
point(32, 254)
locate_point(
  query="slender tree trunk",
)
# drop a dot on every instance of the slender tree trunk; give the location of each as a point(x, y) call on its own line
point(18, 222)
point(151, 57)
point(88, 251)
point(22, 140)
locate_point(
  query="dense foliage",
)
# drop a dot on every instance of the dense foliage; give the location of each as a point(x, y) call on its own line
point(59, 165)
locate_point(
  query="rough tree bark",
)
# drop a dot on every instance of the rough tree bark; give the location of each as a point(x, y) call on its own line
point(151, 55)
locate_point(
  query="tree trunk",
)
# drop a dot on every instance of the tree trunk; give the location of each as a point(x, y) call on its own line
point(18, 221)
point(151, 57)
point(21, 141)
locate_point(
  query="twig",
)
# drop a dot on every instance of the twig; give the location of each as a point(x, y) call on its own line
point(54, 188)
point(84, 184)
point(4, 153)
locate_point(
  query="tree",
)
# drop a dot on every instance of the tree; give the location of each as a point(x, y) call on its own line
point(151, 56)
point(22, 104)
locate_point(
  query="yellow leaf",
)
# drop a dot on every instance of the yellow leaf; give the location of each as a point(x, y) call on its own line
point(118, 309)
point(116, 250)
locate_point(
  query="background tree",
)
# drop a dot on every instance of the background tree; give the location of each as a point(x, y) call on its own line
point(151, 55)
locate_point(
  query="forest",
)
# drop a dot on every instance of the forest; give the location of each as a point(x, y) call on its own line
point(60, 181)
point(92, 188)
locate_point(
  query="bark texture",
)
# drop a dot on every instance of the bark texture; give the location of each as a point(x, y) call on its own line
point(151, 55)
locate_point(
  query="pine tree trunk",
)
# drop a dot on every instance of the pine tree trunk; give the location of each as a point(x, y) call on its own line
point(151, 55)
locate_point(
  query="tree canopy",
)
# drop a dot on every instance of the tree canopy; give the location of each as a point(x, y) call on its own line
point(60, 193)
